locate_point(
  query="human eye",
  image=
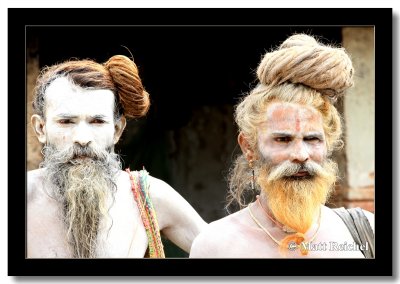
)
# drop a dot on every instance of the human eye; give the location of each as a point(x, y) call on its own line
point(282, 139)
point(65, 121)
point(97, 121)
point(313, 139)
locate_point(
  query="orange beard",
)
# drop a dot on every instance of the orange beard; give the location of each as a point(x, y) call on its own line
point(296, 202)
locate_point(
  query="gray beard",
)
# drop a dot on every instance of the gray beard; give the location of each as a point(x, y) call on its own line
point(81, 186)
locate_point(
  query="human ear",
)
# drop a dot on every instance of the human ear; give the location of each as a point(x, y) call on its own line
point(119, 128)
point(39, 127)
point(248, 152)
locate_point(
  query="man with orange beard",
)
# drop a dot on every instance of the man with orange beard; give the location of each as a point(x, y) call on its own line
point(80, 203)
point(288, 129)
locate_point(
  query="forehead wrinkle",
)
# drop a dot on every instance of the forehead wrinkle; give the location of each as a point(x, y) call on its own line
point(291, 117)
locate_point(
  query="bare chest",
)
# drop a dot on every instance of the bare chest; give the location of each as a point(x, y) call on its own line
point(121, 234)
point(333, 240)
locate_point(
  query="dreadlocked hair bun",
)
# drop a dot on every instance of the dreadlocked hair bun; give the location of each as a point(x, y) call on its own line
point(132, 95)
point(301, 59)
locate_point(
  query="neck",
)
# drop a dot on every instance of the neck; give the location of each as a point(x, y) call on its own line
point(263, 204)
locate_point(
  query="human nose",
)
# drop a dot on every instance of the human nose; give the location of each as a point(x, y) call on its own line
point(299, 152)
point(82, 134)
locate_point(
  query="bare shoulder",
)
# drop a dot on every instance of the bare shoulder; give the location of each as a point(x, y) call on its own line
point(123, 181)
point(218, 237)
point(163, 195)
point(34, 184)
point(168, 203)
point(159, 189)
point(234, 221)
point(34, 176)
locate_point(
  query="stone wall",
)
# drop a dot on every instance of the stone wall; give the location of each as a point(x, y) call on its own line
point(359, 117)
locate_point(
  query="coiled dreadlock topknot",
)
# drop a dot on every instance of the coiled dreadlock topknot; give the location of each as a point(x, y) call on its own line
point(125, 74)
point(301, 59)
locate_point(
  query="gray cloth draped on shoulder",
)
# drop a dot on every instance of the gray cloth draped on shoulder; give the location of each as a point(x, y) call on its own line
point(359, 227)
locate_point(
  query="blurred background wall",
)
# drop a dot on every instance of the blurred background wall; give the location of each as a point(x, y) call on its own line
point(195, 75)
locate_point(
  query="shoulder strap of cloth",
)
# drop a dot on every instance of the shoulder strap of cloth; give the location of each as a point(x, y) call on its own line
point(359, 227)
point(140, 189)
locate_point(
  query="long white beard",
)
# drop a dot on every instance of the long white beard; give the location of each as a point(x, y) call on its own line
point(82, 186)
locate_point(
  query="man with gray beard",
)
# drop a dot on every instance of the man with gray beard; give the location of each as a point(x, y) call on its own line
point(80, 203)
point(288, 129)
point(81, 186)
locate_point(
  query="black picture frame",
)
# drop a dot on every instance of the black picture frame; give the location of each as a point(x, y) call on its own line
point(19, 19)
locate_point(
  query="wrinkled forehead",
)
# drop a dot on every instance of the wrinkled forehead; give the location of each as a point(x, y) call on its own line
point(292, 116)
point(62, 96)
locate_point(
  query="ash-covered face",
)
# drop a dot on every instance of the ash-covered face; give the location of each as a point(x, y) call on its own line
point(77, 115)
point(292, 167)
point(292, 132)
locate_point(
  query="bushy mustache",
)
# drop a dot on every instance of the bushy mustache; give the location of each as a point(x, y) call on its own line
point(59, 161)
point(75, 151)
point(288, 169)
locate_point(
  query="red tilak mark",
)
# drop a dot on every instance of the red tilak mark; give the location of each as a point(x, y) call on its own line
point(297, 124)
